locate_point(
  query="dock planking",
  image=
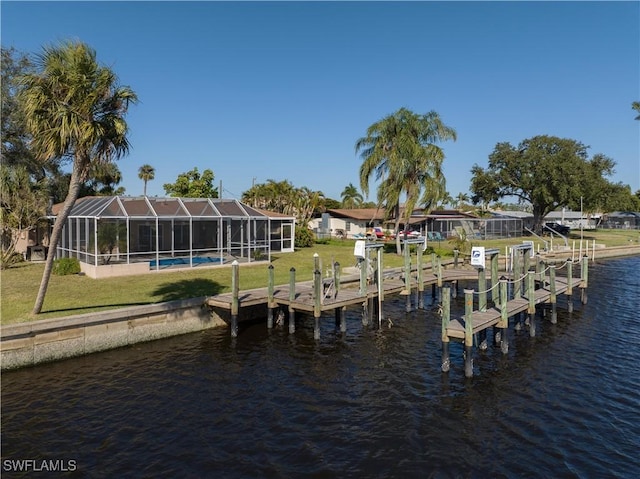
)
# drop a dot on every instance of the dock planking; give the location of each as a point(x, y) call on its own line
point(348, 294)
point(482, 320)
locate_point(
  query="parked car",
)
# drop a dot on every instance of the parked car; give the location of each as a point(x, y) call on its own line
point(558, 228)
point(379, 233)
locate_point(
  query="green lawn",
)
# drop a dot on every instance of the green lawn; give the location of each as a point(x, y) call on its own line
point(75, 294)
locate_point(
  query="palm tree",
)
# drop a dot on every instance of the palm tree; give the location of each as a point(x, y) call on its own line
point(75, 110)
point(401, 152)
point(146, 173)
point(351, 197)
point(461, 199)
point(636, 106)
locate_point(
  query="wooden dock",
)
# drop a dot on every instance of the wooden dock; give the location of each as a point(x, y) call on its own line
point(348, 294)
point(509, 297)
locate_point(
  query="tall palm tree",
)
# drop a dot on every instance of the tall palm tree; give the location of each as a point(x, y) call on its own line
point(636, 106)
point(146, 173)
point(351, 197)
point(401, 151)
point(75, 111)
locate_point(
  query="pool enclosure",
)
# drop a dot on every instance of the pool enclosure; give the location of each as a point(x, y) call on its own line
point(165, 232)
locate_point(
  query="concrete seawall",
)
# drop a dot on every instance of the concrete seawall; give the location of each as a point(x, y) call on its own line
point(35, 342)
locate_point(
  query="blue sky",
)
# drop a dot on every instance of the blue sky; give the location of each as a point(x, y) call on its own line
point(261, 90)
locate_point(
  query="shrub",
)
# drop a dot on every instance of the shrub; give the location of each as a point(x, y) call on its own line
point(304, 238)
point(64, 266)
point(389, 247)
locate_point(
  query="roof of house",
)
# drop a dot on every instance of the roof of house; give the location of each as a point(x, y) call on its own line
point(364, 214)
point(377, 214)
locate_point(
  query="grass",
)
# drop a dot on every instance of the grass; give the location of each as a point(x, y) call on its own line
point(75, 294)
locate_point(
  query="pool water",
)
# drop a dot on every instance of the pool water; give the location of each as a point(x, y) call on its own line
point(184, 260)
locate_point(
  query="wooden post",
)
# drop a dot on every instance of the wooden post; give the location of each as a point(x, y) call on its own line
point(531, 295)
point(340, 319)
point(468, 332)
point(482, 289)
point(317, 294)
point(292, 297)
point(407, 278)
point(539, 270)
point(516, 274)
point(504, 317)
point(446, 317)
point(380, 281)
point(569, 286)
point(270, 301)
point(363, 276)
point(526, 259)
point(495, 279)
point(235, 302)
point(552, 293)
point(336, 278)
point(420, 291)
point(439, 276)
point(584, 279)
point(455, 257)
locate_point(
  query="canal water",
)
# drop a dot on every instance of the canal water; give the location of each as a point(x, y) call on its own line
point(369, 403)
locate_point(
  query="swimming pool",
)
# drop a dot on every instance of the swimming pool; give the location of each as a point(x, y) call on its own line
point(184, 260)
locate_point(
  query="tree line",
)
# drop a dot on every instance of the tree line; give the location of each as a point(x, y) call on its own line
point(62, 107)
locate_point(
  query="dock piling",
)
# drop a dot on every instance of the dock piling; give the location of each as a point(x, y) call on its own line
point(584, 279)
point(407, 278)
point(235, 302)
point(468, 333)
point(317, 297)
point(292, 297)
point(552, 291)
point(503, 324)
point(482, 289)
point(420, 289)
point(380, 281)
point(446, 316)
point(270, 302)
point(569, 285)
point(531, 295)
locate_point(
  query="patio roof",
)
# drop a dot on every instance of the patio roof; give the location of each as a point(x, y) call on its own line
point(145, 207)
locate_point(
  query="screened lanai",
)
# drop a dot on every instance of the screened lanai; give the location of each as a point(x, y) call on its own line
point(172, 232)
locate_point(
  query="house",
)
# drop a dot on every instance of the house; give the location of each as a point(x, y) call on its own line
point(348, 223)
point(116, 235)
point(621, 220)
point(354, 223)
point(574, 219)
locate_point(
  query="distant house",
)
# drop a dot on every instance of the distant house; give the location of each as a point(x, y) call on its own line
point(621, 220)
point(354, 223)
point(348, 223)
point(524, 216)
point(572, 219)
point(575, 219)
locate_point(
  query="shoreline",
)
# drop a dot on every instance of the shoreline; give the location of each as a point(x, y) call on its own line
point(40, 341)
